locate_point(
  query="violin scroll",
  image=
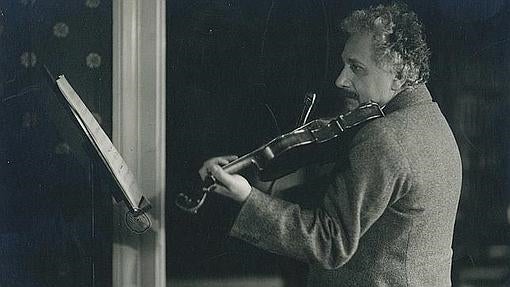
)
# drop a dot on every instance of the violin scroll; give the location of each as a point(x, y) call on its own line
point(191, 203)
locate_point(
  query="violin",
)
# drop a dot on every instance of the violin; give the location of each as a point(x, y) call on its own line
point(277, 158)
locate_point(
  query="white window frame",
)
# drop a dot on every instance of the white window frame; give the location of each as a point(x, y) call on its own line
point(139, 122)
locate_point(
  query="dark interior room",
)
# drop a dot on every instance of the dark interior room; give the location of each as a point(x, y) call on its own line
point(237, 74)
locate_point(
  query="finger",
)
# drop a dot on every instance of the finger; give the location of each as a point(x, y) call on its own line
point(226, 159)
point(203, 172)
point(222, 176)
point(222, 161)
point(231, 157)
point(219, 189)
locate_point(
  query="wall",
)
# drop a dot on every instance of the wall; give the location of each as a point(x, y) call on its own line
point(56, 197)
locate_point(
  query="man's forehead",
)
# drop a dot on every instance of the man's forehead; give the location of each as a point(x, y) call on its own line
point(359, 48)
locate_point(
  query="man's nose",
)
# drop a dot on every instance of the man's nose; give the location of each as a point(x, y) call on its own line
point(343, 80)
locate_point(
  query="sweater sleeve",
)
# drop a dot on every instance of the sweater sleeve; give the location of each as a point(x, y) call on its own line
point(378, 174)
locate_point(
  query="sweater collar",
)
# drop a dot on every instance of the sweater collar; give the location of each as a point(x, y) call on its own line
point(409, 97)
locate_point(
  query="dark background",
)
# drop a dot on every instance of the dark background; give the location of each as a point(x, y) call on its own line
point(237, 74)
point(55, 204)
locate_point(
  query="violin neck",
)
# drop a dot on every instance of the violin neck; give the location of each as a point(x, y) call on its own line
point(240, 164)
point(233, 167)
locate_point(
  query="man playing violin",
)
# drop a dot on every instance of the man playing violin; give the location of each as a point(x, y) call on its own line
point(387, 215)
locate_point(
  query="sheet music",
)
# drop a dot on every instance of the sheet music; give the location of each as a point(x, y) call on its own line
point(103, 145)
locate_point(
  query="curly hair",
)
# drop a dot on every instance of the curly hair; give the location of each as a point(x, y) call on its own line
point(398, 40)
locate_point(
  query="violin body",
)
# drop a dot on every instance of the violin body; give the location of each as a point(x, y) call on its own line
point(290, 151)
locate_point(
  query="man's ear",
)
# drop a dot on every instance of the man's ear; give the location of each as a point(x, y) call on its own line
point(397, 83)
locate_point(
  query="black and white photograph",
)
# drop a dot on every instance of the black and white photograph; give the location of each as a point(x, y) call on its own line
point(255, 143)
